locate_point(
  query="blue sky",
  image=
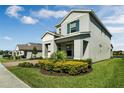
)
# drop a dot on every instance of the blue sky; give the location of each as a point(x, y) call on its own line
point(23, 24)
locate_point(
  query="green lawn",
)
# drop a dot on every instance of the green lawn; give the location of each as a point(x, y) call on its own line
point(109, 73)
point(5, 60)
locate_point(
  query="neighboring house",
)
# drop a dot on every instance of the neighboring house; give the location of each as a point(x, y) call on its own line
point(120, 52)
point(25, 50)
point(81, 34)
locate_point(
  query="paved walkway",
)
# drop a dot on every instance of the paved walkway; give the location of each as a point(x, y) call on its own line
point(9, 80)
point(10, 64)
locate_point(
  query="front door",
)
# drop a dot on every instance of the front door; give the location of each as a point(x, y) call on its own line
point(69, 50)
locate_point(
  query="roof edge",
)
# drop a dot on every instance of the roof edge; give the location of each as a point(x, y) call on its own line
point(91, 12)
point(54, 34)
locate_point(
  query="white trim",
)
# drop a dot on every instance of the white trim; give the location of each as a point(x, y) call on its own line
point(72, 34)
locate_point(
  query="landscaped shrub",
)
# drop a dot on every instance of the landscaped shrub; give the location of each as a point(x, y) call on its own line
point(89, 61)
point(22, 64)
point(74, 67)
point(37, 65)
point(59, 56)
point(25, 64)
point(28, 65)
point(46, 64)
point(58, 67)
point(70, 67)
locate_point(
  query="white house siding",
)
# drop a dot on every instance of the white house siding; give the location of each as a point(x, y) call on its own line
point(97, 39)
point(57, 30)
point(48, 39)
point(30, 55)
point(39, 55)
point(83, 21)
point(78, 48)
point(17, 48)
point(21, 53)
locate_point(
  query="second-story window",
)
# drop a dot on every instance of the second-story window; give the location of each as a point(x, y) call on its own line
point(59, 30)
point(73, 26)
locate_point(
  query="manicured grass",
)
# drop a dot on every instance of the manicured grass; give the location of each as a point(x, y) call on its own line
point(5, 60)
point(109, 73)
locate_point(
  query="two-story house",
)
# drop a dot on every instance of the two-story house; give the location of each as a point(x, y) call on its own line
point(81, 34)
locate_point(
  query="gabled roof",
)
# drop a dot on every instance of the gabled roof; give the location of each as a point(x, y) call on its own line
point(30, 46)
point(51, 33)
point(85, 11)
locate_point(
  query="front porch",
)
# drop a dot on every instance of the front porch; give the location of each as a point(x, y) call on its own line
point(68, 47)
point(77, 47)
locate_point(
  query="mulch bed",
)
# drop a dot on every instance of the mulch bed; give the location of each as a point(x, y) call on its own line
point(51, 73)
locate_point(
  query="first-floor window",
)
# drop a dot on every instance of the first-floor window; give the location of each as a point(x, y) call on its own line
point(59, 47)
point(48, 47)
point(85, 43)
point(69, 49)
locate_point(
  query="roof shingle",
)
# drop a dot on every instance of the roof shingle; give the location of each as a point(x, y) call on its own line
point(30, 46)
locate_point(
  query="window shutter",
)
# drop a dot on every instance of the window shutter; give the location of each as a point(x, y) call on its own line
point(77, 25)
point(68, 28)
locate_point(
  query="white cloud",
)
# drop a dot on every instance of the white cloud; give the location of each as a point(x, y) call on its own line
point(113, 18)
point(44, 13)
point(13, 11)
point(113, 29)
point(116, 19)
point(119, 46)
point(71, 6)
point(28, 20)
point(111, 14)
point(7, 38)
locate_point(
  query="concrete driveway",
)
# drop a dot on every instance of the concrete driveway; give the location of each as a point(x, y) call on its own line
point(9, 80)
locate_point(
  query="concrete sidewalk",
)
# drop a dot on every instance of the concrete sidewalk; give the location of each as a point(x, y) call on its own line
point(9, 80)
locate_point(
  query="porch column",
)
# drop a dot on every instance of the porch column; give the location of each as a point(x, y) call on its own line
point(78, 49)
point(43, 50)
point(53, 47)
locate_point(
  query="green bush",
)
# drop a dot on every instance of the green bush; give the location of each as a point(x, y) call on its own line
point(37, 65)
point(59, 56)
point(46, 64)
point(58, 67)
point(89, 61)
point(74, 67)
point(25, 64)
point(70, 67)
point(22, 64)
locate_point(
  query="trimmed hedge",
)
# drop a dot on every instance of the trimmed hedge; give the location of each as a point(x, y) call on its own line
point(47, 65)
point(37, 65)
point(25, 64)
point(69, 67)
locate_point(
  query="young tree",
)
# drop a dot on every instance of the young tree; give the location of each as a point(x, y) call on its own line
point(1, 52)
point(34, 51)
